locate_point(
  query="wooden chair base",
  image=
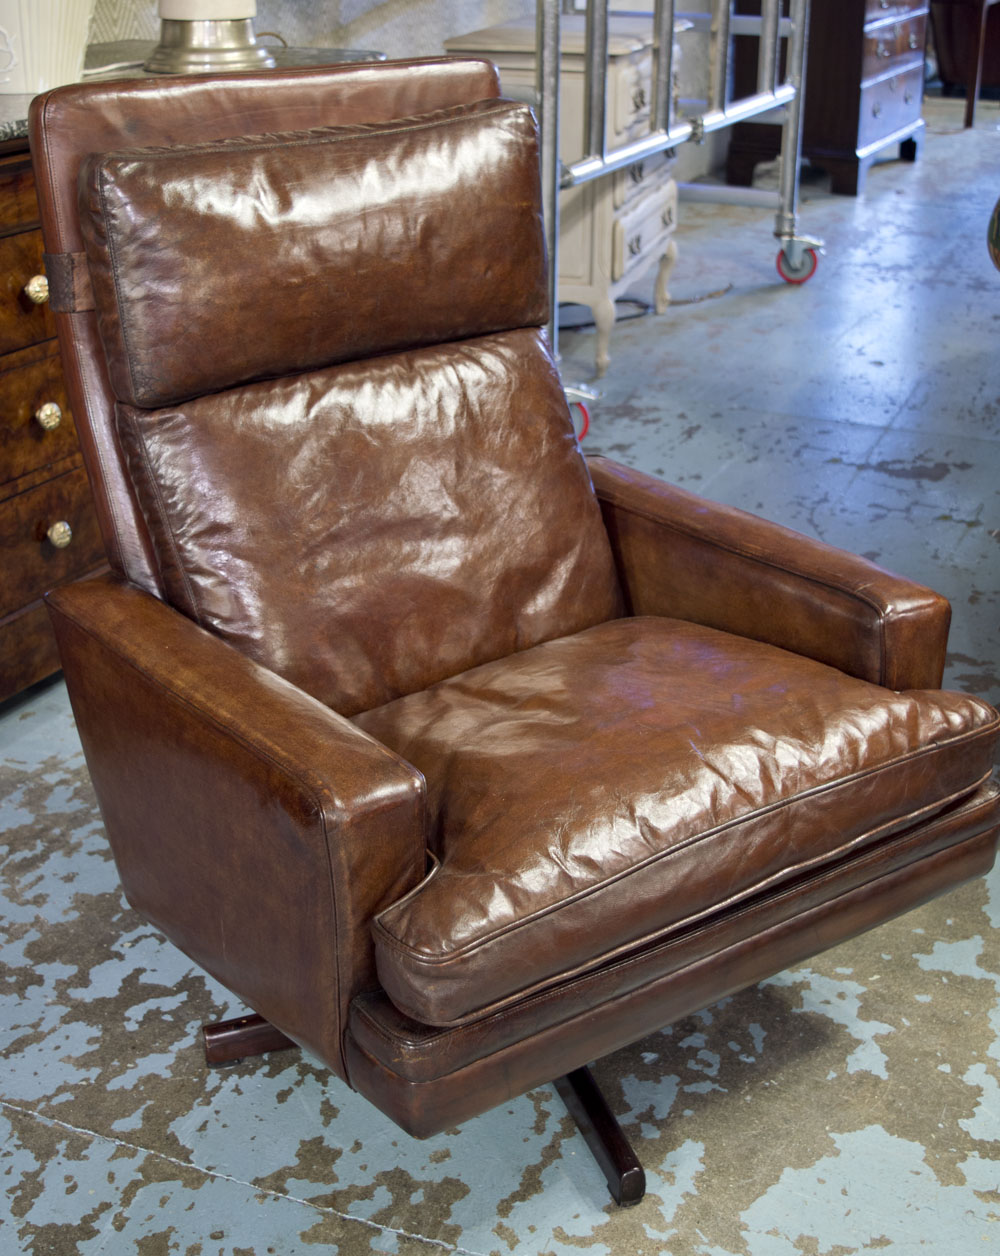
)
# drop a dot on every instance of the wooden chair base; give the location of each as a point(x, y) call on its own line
point(604, 1136)
point(232, 1040)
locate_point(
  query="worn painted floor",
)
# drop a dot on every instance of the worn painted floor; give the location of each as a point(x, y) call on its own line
point(851, 1105)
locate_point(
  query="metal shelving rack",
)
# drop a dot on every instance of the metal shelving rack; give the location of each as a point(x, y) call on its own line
point(775, 90)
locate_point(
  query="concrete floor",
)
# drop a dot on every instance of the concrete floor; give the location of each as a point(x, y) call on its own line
point(851, 1105)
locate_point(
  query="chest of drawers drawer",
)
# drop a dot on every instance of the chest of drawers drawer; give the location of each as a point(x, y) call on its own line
point(35, 552)
point(641, 230)
point(634, 181)
point(48, 527)
point(22, 321)
point(889, 105)
point(875, 9)
point(893, 46)
point(36, 425)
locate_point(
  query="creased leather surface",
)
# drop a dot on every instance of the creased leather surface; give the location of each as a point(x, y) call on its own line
point(598, 791)
point(490, 1062)
point(683, 557)
point(71, 122)
point(424, 1053)
point(246, 259)
point(250, 823)
point(370, 529)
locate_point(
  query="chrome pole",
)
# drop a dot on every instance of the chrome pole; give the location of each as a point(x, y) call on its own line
point(595, 70)
point(767, 64)
point(791, 132)
point(719, 54)
point(547, 23)
point(663, 66)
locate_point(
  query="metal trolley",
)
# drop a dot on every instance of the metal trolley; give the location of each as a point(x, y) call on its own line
point(797, 257)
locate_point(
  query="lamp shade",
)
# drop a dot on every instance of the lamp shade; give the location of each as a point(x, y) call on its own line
point(42, 43)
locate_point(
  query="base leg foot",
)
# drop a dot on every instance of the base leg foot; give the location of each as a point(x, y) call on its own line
point(661, 289)
point(603, 310)
point(604, 1136)
point(227, 1041)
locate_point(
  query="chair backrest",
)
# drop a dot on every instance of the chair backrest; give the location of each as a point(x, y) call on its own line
point(316, 402)
point(71, 122)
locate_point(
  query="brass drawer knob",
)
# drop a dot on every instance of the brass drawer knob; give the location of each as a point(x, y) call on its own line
point(60, 534)
point(48, 416)
point(37, 289)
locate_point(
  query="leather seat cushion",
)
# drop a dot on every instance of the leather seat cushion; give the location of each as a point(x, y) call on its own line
point(601, 791)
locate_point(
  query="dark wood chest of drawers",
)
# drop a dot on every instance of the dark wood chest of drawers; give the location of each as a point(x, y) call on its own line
point(48, 528)
point(865, 85)
point(864, 90)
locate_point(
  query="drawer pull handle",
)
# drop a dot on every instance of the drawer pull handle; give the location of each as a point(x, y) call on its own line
point(883, 51)
point(37, 289)
point(667, 217)
point(635, 246)
point(914, 43)
point(638, 98)
point(60, 534)
point(877, 109)
point(48, 416)
point(638, 172)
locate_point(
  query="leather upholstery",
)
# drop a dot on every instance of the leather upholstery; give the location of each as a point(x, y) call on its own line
point(681, 556)
point(657, 748)
point(368, 530)
point(673, 770)
point(68, 124)
point(366, 279)
point(217, 779)
point(429, 1079)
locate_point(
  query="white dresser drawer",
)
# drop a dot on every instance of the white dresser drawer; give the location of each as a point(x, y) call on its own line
point(643, 229)
point(635, 181)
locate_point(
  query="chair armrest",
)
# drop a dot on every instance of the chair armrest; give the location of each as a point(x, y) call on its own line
point(684, 557)
point(259, 830)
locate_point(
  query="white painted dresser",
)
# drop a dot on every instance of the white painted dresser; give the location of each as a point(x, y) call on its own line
point(613, 229)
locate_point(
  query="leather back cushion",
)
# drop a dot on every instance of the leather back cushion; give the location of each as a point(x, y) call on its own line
point(371, 528)
point(246, 259)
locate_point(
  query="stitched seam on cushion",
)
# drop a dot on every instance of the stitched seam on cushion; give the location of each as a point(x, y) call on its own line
point(543, 992)
point(165, 518)
point(116, 277)
point(803, 866)
point(431, 962)
point(348, 133)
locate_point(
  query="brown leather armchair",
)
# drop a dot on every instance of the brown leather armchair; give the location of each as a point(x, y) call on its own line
point(461, 762)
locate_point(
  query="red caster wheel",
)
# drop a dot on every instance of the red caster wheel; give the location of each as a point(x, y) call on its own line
point(798, 274)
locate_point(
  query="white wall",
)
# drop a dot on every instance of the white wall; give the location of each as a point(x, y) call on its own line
point(407, 28)
point(399, 28)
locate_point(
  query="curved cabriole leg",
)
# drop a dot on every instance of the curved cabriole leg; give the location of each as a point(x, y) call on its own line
point(604, 1136)
point(232, 1040)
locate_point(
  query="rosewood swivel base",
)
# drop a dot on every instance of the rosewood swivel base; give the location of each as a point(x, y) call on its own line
point(226, 1042)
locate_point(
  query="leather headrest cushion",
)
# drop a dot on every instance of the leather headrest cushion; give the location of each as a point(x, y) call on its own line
point(217, 264)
